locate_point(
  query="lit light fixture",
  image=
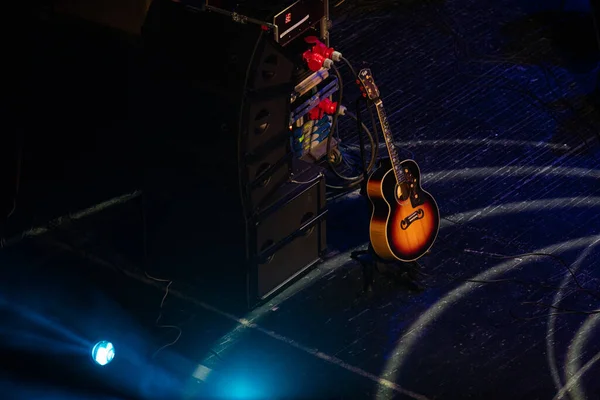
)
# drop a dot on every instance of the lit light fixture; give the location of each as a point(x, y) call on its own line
point(103, 352)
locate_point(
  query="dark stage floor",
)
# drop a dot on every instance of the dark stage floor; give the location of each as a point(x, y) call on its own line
point(496, 104)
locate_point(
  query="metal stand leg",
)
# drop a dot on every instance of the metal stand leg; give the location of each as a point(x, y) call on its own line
point(404, 274)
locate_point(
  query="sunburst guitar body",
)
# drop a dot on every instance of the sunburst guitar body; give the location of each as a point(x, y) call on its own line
point(405, 219)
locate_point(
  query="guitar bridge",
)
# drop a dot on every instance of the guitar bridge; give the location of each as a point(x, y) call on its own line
point(406, 222)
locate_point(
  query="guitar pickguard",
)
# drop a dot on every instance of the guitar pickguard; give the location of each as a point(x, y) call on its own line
point(412, 183)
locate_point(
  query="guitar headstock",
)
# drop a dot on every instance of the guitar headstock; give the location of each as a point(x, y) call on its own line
point(367, 84)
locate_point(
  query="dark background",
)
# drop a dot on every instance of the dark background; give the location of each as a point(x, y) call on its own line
point(498, 103)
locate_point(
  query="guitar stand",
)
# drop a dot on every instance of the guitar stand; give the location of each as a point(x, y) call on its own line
point(404, 274)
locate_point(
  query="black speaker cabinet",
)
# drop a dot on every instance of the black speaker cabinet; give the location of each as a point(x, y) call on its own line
point(195, 236)
point(289, 235)
point(222, 213)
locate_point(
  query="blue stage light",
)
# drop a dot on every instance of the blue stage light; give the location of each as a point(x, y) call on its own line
point(103, 352)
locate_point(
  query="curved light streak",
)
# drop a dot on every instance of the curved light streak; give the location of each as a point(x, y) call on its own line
point(473, 173)
point(573, 365)
point(575, 378)
point(477, 142)
point(523, 206)
point(331, 265)
point(483, 142)
point(550, 349)
point(202, 371)
point(55, 223)
point(225, 343)
point(412, 334)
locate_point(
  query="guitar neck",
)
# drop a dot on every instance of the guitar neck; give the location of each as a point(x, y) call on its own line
point(389, 141)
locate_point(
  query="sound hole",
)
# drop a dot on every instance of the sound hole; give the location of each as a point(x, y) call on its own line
point(270, 67)
point(261, 122)
point(262, 168)
point(307, 217)
point(264, 248)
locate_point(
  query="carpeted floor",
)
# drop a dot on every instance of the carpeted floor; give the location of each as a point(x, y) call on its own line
point(496, 103)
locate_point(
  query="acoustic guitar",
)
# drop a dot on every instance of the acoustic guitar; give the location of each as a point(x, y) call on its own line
point(405, 219)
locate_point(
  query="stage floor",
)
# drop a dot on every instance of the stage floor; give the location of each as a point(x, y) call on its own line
point(494, 103)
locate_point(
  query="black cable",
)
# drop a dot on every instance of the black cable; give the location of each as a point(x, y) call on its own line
point(356, 180)
point(512, 314)
point(540, 285)
point(569, 310)
point(364, 127)
point(345, 60)
point(560, 260)
point(373, 137)
point(359, 125)
point(333, 127)
point(563, 311)
point(536, 254)
point(361, 141)
point(371, 162)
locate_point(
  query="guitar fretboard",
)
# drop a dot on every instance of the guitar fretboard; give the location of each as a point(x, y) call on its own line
point(389, 142)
